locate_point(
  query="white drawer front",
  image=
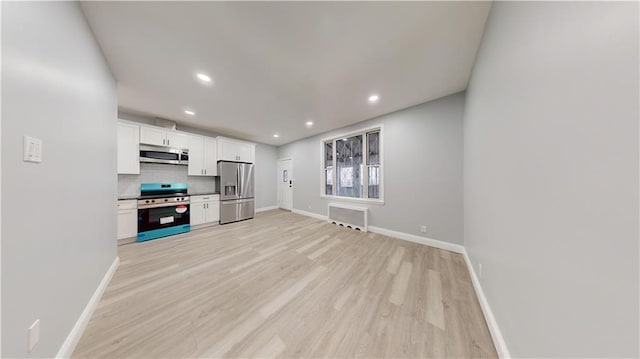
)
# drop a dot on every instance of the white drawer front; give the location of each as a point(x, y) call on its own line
point(205, 198)
point(127, 204)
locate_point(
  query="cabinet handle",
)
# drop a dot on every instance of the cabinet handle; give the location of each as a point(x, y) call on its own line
point(163, 141)
point(205, 171)
point(168, 142)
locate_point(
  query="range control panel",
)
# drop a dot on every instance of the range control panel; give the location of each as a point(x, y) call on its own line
point(158, 202)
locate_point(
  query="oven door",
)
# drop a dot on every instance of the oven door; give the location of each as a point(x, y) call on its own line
point(150, 219)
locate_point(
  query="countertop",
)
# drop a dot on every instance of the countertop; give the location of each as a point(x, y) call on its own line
point(125, 197)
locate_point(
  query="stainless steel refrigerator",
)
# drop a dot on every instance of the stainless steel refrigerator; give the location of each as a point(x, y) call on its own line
point(236, 191)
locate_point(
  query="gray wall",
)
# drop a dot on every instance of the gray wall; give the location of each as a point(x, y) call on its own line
point(59, 218)
point(265, 176)
point(551, 176)
point(422, 170)
point(266, 173)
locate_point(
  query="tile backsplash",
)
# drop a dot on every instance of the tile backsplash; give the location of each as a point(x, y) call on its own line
point(129, 185)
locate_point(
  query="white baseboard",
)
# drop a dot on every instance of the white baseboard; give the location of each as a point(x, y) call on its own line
point(263, 209)
point(310, 214)
point(400, 235)
point(81, 324)
point(456, 248)
point(496, 334)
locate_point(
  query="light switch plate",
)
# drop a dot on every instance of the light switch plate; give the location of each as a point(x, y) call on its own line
point(32, 151)
point(34, 335)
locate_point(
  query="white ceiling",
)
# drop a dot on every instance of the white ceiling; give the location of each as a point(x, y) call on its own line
point(277, 65)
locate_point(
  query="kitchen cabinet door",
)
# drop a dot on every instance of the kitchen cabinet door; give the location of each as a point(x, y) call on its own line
point(127, 219)
point(127, 223)
point(177, 140)
point(128, 149)
point(210, 156)
point(153, 136)
point(238, 151)
point(227, 150)
point(196, 156)
point(212, 211)
point(197, 214)
point(246, 152)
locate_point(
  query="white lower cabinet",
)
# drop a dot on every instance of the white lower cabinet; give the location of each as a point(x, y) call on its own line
point(205, 209)
point(127, 219)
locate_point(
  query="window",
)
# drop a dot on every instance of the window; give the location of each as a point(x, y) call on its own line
point(357, 161)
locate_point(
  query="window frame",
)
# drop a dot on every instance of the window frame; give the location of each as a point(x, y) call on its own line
point(365, 166)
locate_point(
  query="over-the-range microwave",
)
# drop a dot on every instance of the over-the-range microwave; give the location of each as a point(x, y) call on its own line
point(159, 154)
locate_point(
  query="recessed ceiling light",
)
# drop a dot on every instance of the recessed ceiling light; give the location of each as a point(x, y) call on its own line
point(309, 123)
point(276, 135)
point(374, 98)
point(203, 77)
point(189, 112)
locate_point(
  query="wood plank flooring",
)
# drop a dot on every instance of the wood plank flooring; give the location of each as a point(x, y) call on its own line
point(285, 285)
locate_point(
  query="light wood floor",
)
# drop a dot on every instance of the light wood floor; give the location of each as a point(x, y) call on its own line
point(285, 285)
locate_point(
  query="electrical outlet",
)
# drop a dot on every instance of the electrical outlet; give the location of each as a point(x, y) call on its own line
point(34, 335)
point(423, 229)
point(480, 270)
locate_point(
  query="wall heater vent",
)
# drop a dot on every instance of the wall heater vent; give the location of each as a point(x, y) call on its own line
point(348, 216)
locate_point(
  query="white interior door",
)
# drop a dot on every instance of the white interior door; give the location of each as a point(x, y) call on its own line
point(285, 184)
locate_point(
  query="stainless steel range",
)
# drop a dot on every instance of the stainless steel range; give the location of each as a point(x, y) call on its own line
point(163, 210)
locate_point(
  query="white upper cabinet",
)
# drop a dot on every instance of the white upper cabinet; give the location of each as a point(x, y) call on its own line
point(210, 156)
point(202, 156)
point(177, 140)
point(128, 148)
point(233, 150)
point(153, 136)
point(159, 136)
point(196, 156)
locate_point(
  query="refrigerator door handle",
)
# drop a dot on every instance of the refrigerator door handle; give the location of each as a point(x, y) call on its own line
point(238, 183)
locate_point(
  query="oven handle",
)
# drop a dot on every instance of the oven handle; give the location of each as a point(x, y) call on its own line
point(159, 205)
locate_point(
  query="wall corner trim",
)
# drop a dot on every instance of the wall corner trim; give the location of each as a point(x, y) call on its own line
point(264, 209)
point(76, 332)
point(494, 330)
